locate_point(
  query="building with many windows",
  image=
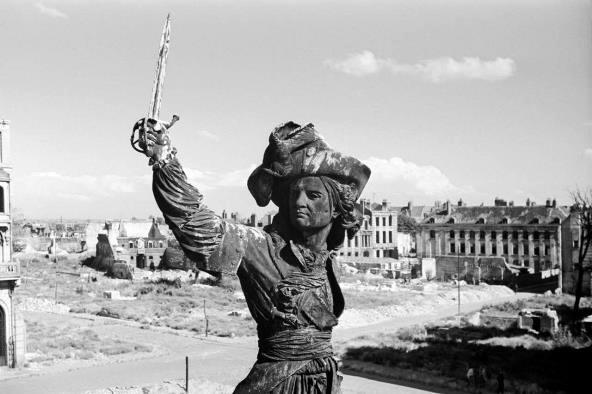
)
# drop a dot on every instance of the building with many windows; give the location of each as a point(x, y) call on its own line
point(378, 234)
point(527, 237)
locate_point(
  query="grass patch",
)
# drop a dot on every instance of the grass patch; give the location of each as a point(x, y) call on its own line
point(167, 303)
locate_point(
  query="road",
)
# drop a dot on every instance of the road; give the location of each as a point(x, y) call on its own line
point(223, 361)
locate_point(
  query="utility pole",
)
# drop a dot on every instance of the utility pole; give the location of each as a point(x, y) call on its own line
point(458, 277)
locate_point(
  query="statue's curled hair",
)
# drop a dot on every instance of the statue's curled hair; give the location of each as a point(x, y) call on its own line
point(347, 222)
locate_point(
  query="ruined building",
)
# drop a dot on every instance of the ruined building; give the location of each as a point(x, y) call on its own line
point(12, 329)
point(530, 238)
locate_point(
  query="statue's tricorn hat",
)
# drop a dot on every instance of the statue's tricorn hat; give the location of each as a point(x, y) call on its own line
point(296, 151)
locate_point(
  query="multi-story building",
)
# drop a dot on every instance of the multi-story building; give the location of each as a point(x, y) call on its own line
point(527, 237)
point(378, 234)
point(12, 328)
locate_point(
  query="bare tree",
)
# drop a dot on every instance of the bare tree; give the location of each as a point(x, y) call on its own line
point(583, 210)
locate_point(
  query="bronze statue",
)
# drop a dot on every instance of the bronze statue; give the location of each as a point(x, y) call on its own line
point(285, 270)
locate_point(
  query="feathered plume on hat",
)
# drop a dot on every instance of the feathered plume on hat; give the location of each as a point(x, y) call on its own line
point(295, 151)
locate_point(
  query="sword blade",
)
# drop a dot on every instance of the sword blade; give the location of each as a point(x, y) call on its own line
point(154, 110)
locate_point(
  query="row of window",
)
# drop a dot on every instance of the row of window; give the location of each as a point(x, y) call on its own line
point(377, 253)
point(536, 235)
point(150, 244)
point(537, 250)
point(377, 221)
point(366, 239)
point(502, 221)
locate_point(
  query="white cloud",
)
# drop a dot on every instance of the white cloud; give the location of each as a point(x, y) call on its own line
point(410, 177)
point(208, 135)
point(50, 11)
point(434, 70)
point(208, 180)
point(82, 187)
point(588, 152)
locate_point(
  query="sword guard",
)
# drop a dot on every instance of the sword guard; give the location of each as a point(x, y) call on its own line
point(153, 140)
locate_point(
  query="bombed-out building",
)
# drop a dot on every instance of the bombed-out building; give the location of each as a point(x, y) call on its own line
point(527, 238)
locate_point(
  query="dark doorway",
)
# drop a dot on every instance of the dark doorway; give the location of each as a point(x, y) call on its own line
point(3, 355)
point(141, 262)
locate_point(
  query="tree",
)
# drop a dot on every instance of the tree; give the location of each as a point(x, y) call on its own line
point(583, 211)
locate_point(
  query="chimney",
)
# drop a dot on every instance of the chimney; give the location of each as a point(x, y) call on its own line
point(384, 204)
point(447, 207)
point(548, 203)
point(253, 220)
point(554, 203)
point(460, 202)
point(224, 214)
point(511, 203)
point(528, 202)
point(409, 205)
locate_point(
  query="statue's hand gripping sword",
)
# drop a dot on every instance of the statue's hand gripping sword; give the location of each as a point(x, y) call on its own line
point(150, 135)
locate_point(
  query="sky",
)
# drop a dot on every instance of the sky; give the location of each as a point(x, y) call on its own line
point(442, 100)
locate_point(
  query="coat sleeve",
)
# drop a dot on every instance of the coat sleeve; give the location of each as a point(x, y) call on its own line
point(214, 244)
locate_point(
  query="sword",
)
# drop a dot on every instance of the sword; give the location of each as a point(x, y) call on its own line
point(151, 121)
point(165, 40)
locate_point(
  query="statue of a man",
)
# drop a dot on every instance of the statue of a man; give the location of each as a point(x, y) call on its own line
point(286, 269)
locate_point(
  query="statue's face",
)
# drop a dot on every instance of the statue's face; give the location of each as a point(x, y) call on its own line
point(310, 205)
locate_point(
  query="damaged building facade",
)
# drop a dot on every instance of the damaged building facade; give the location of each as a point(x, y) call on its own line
point(12, 326)
point(495, 240)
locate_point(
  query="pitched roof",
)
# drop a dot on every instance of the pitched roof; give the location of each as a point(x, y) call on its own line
point(540, 214)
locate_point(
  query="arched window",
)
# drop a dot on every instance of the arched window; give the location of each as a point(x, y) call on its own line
point(480, 221)
point(535, 221)
point(430, 220)
point(504, 221)
point(451, 221)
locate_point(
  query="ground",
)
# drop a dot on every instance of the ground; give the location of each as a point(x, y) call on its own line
point(102, 331)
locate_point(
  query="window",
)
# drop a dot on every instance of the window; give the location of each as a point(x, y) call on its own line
point(450, 221)
point(390, 237)
point(472, 248)
point(526, 263)
point(161, 244)
point(471, 234)
point(547, 250)
point(504, 235)
point(482, 234)
point(151, 257)
point(390, 220)
point(504, 221)
point(525, 234)
point(377, 221)
point(526, 251)
point(451, 233)
point(356, 254)
point(537, 251)
point(432, 234)
point(462, 234)
point(515, 235)
point(131, 245)
point(462, 247)
point(536, 235)
point(149, 244)
point(547, 235)
point(1, 199)
point(493, 236)
point(505, 248)
point(131, 257)
point(384, 221)
point(356, 241)
point(576, 243)
point(452, 247)
point(378, 253)
point(515, 249)
point(482, 248)
point(348, 243)
point(430, 220)
point(384, 237)
point(494, 249)
point(349, 253)
point(481, 221)
point(378, 237)
point(365, 224)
